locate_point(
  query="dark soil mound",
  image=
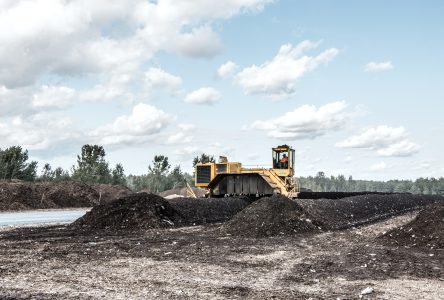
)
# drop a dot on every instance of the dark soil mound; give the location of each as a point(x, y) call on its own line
point(16, 195)
point(334, 195)
point(19, 195)
point(426, 230)
point(362, 209)
point(271, 216)
point(68, 194)
point(208, 210)
point(109, 192)
point(134, 212)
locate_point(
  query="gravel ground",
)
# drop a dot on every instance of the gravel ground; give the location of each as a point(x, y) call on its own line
point(201, 262)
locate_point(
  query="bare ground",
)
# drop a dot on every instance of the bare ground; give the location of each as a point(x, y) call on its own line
point(201, 262)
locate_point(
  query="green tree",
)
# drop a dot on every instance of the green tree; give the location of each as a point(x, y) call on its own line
point(160, 166)
point(156, 179)
point(204, 158)
point(14, 165)
point(176, 178)
point(91, 165)
point(47, 173)
point(159, 177)
point(321, 183)
point(118, 175)
point(61, 175)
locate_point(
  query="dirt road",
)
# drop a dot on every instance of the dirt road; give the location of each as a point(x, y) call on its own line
point(201, 262)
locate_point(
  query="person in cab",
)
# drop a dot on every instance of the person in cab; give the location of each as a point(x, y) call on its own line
point(284, 161)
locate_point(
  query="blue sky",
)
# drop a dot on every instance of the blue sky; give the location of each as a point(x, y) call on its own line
point(354, 86)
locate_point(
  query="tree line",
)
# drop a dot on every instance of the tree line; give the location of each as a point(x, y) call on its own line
point(322, 183)
point(91, 166)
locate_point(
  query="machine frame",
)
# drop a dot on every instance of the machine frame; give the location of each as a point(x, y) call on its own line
point(230, 178)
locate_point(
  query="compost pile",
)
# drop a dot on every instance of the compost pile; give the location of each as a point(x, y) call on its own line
point(18, 195)
point(208, 210)
point(357, 210)
point(134, 212)
point(109, 192)
point(426, 230)
point(271, 216)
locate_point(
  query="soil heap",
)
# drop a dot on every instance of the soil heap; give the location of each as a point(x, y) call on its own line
point(362, 209)
point(426, 230)
point(208, 210)
point(134, 212)
point(271, 216)
point(17, 195)
point(109, 192)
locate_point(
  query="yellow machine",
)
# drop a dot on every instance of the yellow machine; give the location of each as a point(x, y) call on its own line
point(230, 178)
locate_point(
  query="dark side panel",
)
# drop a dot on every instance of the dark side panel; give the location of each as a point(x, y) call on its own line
point(240, 184)
point(203, 174)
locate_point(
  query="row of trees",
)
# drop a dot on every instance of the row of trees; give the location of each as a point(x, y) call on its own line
point(322, 183)
point(14, 164)
point(160, 177)
point(91, 166)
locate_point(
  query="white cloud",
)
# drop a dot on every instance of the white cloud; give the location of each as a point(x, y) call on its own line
point(187, 127)
point(387, 141)
point(403, 148)
point(53, 97)
point(205, 95)
point(378, 67)
point(227, 69)
point(102, 92)
point(188, 151)
point(31, 100)
point(41, 37)
point(15, 101)
point(277, 78)
point(378, 167)
point(179, 138)
point(38, 132)
point(200, 42)
point(182, 136)
point(60, 37)
point(375, 137)
point(114, 88)
point(141, 125)
point(305, 122)
point(158, 78)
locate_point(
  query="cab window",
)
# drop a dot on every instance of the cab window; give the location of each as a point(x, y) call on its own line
point(280, 159)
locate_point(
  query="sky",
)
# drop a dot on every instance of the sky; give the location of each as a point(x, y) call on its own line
point(355, 87)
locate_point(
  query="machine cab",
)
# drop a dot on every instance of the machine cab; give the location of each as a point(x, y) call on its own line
point(283, 161)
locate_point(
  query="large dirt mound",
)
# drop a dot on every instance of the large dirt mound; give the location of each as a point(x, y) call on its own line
point(15, 195)
point(109, 192)
point(21, 195)
point(208, 210)
point(134, 212)
point(271, 216)
point(68, 194)
point(426, 230)
point(362, 209)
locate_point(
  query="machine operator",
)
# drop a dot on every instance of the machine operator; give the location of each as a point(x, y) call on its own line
point(284, 161)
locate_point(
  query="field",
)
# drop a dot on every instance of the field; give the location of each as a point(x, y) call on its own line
point(330, 252)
